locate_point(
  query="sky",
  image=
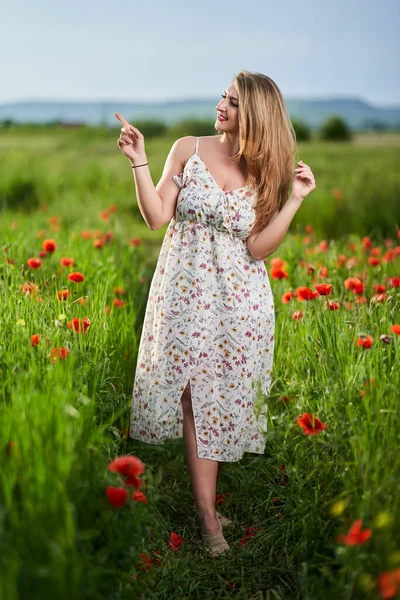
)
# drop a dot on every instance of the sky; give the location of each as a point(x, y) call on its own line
point(153, 50)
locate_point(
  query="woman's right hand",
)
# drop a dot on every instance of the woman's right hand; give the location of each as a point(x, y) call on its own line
point(131, 142)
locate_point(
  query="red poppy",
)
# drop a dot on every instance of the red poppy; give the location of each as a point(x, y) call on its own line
point(130, 467)
point(66, 262)
point(378, 298)
point(76, 277)
point(29, 288)
point(63, 294)
point(140, 497)
point(310, 269)
point(278, 273)
point(42, 254)
point(333, 305)
point(287, 296)
point(395, 329)
point(374, 261)
point(365, 341)
point(389, 584)
point(220, 498)
point(112, 208)
point(361, 300)
point(304, 293)
point(298, 314)
point(323, 272)
point(366, 242)
point(99, 243)
point(118, 291)
point(119, 303)
point(49, 246)
point(355, 285)
point(393, 282)
point(388, 256)
point(379, 288)
point(35, 340)
point(355, 536)
point(309, 229)
point(86, 235)
point(323, 245)
point(323, 289)
point(34, 263)
point(310, 424)
point(145, 563)
point(245, 539)
point(59, 354)
point(135, 242)
point(175, 541)
point(80, 325)
point(341, 260)
point(117, 496)
point(104, 214)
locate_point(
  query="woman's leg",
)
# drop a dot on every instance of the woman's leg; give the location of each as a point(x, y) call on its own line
point(203, 472)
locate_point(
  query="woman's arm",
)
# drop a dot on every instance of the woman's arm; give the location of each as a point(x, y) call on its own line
point(263, 244)
point(158, 204)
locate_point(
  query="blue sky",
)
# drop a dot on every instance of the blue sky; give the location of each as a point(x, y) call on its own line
point(154, 50)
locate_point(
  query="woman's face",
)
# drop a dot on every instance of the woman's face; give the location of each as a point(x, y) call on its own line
point(227, 109)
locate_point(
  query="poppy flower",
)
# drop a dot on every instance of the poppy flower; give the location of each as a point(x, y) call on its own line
point(388, 256)
point(310, 424)
point(135, 242)
point(59, 354)
point(286, 296)
point(42, 254)
point(34, 263)
point(298, 314)
point(105, 215)
point(379, 288)
point(386, 339)
point(323, 272)
point(140, 497)
point(278, 273)
point(66, 262)
point(365, 341)
point(49, 246)
point(310, 269)
point(99, 243)
point(76, 277)
point(117, 496)
point(323, 289)
point(86, 235)
point(374, 261)
point(119, 303)
point(395, 329)
point(393, 282)
point(175, 541)
point(341, 260)
point(130, 467)
point(355, 536)
point(144, 563)
point(388, 584)
point(378, 298)
point(354, 284)
point(80, 325)
point(35, 340)
point(323, 245)
point(361, 300)
point(29, 287)
point(118, 291)
point(366, 242)
point(63, 294)
point(309, 229)
point(333, 305)
point(220, 498)
point(112, 208)
point(304, 293)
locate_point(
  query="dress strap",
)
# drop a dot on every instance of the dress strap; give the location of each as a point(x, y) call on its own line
point(197, 145)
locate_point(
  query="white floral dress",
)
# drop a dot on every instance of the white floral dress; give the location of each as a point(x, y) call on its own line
point(209, 319)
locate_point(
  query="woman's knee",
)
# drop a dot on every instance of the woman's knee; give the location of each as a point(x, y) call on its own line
point(186, 398)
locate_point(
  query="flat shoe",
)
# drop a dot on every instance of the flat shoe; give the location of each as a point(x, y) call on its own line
point(216, 543)
point(225, 522)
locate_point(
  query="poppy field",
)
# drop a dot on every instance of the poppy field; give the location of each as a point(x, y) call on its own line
point(87, 512)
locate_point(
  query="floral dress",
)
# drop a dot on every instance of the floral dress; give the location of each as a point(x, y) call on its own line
point(209, 319)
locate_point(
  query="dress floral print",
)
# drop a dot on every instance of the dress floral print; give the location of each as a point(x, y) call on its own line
point(209, 319)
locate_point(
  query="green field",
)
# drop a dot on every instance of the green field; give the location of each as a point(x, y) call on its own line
point(64, 417)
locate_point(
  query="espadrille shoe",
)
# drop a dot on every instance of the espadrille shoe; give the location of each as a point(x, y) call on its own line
point(225, 522)
point(216, 544)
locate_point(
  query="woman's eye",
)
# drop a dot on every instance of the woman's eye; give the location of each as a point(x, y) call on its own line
point(232, 103)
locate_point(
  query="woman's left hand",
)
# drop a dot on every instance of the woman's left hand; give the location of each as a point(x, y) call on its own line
point(303, 182)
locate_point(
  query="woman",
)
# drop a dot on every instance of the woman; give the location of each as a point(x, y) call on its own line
point(207, 342)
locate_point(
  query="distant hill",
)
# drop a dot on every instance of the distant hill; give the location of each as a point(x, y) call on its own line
point(357, 113)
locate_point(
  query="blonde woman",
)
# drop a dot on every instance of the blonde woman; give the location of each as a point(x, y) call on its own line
point(207, 342)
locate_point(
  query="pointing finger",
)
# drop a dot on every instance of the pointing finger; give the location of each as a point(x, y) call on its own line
point(122, 120)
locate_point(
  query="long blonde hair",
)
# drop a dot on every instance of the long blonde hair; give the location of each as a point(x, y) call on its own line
point(267, 142)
